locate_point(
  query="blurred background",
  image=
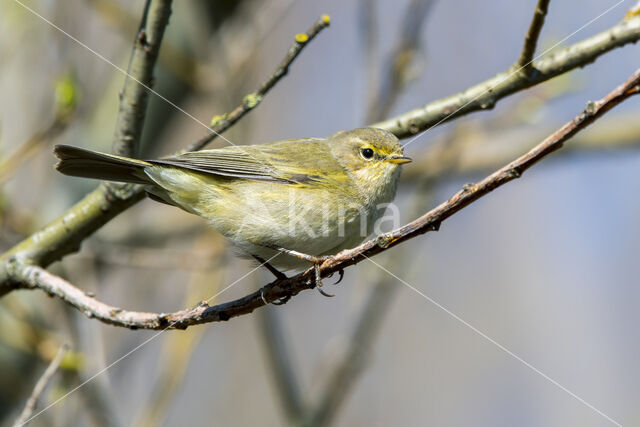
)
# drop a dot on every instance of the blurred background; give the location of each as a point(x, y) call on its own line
point(546, 266)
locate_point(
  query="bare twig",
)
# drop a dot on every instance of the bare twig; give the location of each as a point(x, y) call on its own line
point(40, 386)
point(30, 147)
point(395, 76)
point(369, 32)
point(281, 366)
point(221, 123)
point(27, 276)
point(361, 341)
point(474, 151)
point(532, 36)
point(134, 95)
point(484, 95)
point(65, 106)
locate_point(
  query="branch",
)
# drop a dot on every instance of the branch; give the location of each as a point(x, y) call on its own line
point(65, 107)
point(134, 95)
point(221, 123)
point(65, 234)
point(281, 366)
point(395, 76)
point(354, 361)
point(484, 95)
point(28, 276)
point(475, 151)
point(531, 38)
point(25, 416)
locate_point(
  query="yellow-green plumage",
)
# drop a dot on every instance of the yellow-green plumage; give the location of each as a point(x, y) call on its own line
point(315, 196)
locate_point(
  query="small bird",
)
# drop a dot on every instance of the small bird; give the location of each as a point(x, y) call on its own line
point(303, 198)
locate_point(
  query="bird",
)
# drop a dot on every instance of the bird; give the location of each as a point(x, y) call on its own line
point(285, 203)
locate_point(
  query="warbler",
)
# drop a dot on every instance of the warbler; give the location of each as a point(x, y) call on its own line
point(306, 198)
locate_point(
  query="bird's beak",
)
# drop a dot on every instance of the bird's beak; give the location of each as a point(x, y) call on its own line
point(398, 160)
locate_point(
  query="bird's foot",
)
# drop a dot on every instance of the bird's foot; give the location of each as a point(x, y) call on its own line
point(279, 275)
point(316, 261)
point(279, 301)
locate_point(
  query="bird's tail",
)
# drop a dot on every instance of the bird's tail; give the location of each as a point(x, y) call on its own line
point(76, 161)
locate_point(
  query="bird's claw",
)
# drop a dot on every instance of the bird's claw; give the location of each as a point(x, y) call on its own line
point(279, 301)
point(318, 281)
point(341, 274)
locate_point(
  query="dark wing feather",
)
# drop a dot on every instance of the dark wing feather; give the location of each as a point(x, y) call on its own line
point(223, 162)
point(276, 162)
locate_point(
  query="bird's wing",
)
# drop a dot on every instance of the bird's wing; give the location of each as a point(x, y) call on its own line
point(289, 162)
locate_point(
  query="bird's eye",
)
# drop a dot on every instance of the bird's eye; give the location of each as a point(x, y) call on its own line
point(367, 153)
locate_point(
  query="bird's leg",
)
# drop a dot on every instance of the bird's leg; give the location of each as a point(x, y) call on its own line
point(279, 275)
point(314, 259)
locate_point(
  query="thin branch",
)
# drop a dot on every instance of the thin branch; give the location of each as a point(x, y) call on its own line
point(65, 234)
point(395, 76)
point(221, 123)
point(369, 30)
point(351, 365)
point(532, 36)
point(134, 95)
point(27, 276)
point(476, 151)
point(30, 147)
point(484, 95)
point(40, 386)
point(281, 366)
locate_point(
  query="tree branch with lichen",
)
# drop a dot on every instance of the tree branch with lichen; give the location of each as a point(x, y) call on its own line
point(139, 78)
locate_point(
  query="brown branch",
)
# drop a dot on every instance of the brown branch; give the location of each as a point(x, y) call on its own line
point(475, 151)
point(532, 36)
point(27, 276)
point(221, 123)
point(26, 413)
point(484, 95)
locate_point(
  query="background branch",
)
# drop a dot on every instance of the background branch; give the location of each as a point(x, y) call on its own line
point(26, 413)
point(396, 74)
point(532, 36)
point(281, 366)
